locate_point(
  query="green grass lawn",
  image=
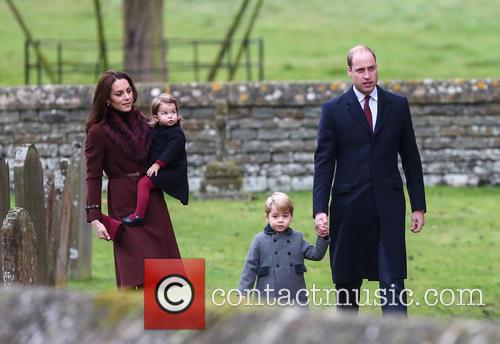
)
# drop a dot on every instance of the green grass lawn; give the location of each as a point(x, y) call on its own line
point(458, 249)
point(304, 40)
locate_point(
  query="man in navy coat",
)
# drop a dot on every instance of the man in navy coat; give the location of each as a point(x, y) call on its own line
point(360, 135)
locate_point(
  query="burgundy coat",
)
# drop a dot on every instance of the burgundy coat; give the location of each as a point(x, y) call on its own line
point(156, 238)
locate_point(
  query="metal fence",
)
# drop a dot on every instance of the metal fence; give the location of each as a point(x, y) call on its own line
point(77, 61)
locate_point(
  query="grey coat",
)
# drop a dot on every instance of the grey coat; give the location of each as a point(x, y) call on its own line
point(276, 261)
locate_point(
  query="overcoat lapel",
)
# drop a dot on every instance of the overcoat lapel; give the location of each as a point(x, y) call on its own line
point(383, 109)
point(356, 110)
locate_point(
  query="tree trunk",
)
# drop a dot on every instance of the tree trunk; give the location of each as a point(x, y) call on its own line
point(145, 55)
point(103, 55)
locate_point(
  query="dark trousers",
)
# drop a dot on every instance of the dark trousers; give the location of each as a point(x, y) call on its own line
point(391, 289)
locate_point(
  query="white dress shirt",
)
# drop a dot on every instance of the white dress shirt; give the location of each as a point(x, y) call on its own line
point(373, 103)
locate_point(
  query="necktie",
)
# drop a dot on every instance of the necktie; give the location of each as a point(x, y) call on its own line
point(368, 112)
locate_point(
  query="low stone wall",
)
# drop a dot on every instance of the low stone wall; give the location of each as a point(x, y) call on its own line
point(271, 127)
point(55, 316)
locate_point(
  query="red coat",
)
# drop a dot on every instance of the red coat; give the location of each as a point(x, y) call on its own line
point(156, 238)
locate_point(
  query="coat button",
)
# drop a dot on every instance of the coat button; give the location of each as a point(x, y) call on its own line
point(288, 241)
point(277, 265)
point(289, 253)
point(274, 240)
point(291, 264)
point(275, 252)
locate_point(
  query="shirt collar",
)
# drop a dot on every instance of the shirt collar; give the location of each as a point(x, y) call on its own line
point(361, 97)
point(269, 231)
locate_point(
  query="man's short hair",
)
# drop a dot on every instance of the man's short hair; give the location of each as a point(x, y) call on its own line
point(357, 49)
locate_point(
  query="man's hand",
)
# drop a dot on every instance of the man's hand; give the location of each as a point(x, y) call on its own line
point(153, 170)
point(417, 221)
point(321, 224)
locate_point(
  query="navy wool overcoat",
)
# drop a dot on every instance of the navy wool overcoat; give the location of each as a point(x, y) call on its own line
point(358, 169)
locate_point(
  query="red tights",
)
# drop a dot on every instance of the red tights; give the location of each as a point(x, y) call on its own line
point(144, 187)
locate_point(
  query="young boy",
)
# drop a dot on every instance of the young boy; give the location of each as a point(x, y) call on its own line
point(275, 260)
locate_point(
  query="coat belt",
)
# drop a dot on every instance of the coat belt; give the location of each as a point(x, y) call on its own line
point(132, 174)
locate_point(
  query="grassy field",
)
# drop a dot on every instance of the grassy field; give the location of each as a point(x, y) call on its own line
point(304, 40)
point(458, 248)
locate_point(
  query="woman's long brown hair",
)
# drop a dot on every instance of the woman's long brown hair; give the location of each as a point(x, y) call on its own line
point(101, 96)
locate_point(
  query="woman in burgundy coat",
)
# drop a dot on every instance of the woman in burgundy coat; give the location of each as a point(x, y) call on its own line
point(117, 142)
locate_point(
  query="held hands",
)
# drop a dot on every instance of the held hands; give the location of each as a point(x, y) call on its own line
point(153, 170)
point(99, 230)
point(321, 224)
point(417, 221)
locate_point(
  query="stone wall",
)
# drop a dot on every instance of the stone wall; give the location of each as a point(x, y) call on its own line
point(42, 315)
point(271, 127)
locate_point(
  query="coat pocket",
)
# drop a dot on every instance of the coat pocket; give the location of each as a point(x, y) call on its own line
point(342, 188)
point(300, 268)
point(263, 271)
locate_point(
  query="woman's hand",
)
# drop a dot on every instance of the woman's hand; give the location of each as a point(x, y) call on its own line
point(153, 170)
point(99, 230)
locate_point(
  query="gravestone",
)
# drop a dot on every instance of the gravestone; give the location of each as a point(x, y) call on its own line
point(29, 194)
point(222, 178)
point(61, 269)
point(18, 249)
point(4, 188)
point(50, 227)
point(80, 248)
point(55, 186)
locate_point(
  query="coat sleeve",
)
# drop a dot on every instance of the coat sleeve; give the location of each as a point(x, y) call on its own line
point(315, 252)
point(251, 267)
point(94, 156)
point(175, 146)
point(410, 159)
point(324, 161)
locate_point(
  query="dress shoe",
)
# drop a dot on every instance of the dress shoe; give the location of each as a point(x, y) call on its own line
point(133, 220)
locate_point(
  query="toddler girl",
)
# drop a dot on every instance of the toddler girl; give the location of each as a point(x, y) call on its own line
point(167, 157)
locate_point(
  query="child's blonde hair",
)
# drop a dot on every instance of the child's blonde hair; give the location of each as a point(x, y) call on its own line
point(164, 98)
point(281, 201)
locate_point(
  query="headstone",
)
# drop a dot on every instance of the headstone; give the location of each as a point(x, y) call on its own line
point(80, 249)
point(221, 110)
point(51, 228)
point(54, 216)
point(55, 187)
point(18, 252)
point(222, 178)
point(61, 272)
point(4, 188)
point(29, 194)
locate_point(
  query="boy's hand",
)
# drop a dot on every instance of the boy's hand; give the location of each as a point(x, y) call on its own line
point(322, 232)
point(153, 170)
